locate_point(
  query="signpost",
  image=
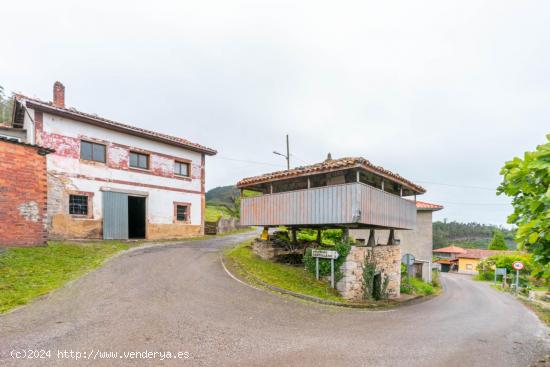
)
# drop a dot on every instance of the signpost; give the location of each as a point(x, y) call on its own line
point(500, 271)
point(408, 260)
point(518, 265)
point(325, 254)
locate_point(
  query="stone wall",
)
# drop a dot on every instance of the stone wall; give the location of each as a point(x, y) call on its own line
point(223, 225)
point(268, 250)
point(388, 260)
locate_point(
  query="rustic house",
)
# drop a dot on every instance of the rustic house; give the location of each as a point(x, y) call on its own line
point(348, 193)
point(23, 193)
point(111, 180)
point(417, 241)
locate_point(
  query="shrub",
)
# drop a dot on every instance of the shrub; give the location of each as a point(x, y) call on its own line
point(412, 285)
point(343, 248)
point(435, 279)
point(486, 266)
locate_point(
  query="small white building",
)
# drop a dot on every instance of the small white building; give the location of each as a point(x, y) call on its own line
point(111, 180)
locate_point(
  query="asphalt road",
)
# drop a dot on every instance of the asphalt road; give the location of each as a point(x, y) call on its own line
point(179, 298)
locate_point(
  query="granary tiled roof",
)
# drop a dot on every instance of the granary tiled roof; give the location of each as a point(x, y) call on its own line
point(113, 125)
point(422, 205)
point(328, 166)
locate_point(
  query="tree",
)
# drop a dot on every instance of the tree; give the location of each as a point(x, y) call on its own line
point(498, 242)
point(6, 106)
point(527, 181)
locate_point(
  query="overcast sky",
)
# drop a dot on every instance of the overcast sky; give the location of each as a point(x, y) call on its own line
point(442, 92)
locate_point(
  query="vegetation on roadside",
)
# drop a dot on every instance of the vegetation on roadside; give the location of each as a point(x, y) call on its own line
point(527, 182)
point(413, 285)
point(292, 278)
point(225, 201)
point(342, 247)
point(216, 212)
point(29, 272)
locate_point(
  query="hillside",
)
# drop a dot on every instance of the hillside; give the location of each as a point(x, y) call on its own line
point(469, 235)
point(222, 194)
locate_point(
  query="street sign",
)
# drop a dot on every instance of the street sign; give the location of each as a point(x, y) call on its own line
point(518, 265)
point(501, 271)
point(408, 259)
point(324, 254)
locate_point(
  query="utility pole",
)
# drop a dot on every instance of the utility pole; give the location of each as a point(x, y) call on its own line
point(287, 156)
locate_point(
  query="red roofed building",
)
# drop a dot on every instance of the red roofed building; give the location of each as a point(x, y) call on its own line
point(111, 180)
point(352, 193)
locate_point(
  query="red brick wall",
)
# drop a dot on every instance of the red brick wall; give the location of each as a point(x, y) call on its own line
point(23, 191)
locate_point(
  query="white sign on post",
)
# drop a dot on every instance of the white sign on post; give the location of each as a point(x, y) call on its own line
point(325, 254)
point(518, 265)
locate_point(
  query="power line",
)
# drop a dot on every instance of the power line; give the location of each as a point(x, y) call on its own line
point(247, 161)
point(455, 185)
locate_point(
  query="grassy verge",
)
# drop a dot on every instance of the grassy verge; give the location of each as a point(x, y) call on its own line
point(417, 286)
point(541, 312)
point(214, 212)
point(295, 279)
point(26, 273)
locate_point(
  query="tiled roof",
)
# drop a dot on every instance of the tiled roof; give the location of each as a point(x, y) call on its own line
point(451, 250)
point(17, 141)
point(113, 125)
point(327, 166)
point(481, 254)
point(422, 205)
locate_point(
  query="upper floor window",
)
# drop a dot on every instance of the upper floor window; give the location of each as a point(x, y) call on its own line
point(181, 169)
point(139, 160)
point(92, 151)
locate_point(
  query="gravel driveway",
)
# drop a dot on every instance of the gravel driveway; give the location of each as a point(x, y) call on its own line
point(178, 298)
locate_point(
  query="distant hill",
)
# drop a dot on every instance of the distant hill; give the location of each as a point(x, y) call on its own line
point(222, 194)
point(469, 235)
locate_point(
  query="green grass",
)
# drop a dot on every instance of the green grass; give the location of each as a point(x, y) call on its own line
point(416, 286)
point(26, 273)
point(295, 279)
point(215, 212)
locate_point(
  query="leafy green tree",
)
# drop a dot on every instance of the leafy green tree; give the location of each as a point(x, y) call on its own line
point(498, 242)
point(527, 181)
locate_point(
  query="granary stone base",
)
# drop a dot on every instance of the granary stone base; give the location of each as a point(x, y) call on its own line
point(388, 260)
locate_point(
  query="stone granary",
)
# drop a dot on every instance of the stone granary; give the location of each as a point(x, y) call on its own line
point(347, 193)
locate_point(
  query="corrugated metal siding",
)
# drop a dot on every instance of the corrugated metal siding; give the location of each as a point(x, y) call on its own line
point(115, 215)
point(336, 204)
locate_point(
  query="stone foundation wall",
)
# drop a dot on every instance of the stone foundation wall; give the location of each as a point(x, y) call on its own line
point(388, 260)
point(267, 250)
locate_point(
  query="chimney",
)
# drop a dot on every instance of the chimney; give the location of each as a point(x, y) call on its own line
point(58, 95)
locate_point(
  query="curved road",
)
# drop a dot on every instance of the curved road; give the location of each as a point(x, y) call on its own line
point(179, 298)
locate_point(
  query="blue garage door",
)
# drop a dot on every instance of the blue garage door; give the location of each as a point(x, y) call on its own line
point(115, 215)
